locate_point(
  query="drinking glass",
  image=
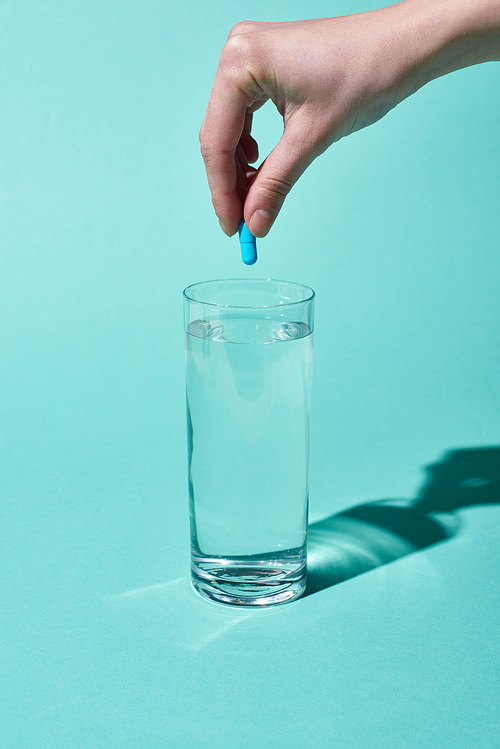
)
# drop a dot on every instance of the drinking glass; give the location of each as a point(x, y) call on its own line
point(249, 352)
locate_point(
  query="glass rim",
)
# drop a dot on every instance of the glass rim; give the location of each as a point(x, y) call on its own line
point(223, 281)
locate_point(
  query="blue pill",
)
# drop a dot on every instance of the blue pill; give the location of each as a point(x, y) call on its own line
point(248, 244)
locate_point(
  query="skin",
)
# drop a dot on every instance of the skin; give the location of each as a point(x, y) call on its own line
point(328, 78)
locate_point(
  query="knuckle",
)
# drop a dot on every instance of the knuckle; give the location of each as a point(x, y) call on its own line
point(243, 27)
point(274, 189)
point(213, 155)
point(208, 153)
point(240, 51)
point(243, 56)
point(234, 52)
point(205, 148)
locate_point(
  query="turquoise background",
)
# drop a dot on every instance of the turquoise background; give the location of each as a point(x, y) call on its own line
point(105, 216)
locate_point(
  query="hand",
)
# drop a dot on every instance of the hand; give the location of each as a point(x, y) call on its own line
point(327, 78)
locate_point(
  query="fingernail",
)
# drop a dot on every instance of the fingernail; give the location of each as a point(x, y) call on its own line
point(224, 229)
point(261, 221)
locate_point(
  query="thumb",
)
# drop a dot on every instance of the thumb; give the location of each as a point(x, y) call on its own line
point(274, 180)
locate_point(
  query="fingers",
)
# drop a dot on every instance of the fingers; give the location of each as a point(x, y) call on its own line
point(219, 138)
point(228, 147)
point(275, 178)
point(244, 173)
point(248, 143)
point(220, 164)
point(227, 124)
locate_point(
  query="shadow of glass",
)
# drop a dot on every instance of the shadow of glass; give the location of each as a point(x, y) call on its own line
point(367, 536)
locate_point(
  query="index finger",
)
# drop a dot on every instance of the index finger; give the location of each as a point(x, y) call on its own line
point(220, 134)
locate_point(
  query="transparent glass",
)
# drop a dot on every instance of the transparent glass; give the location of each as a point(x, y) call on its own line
point(248, 384)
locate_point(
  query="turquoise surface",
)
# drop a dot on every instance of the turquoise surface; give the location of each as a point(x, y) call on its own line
point(103, 201)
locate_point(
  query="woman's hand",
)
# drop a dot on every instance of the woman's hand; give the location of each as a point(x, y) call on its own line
point(327, 77)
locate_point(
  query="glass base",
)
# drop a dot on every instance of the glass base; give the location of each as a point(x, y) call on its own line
point(255, 582)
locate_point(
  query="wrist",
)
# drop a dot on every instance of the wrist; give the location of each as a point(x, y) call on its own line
point(447, 35)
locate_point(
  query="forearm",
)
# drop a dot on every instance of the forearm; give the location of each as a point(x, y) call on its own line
point(447, 35)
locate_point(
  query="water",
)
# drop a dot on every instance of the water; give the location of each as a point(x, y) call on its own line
point(248, 401)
